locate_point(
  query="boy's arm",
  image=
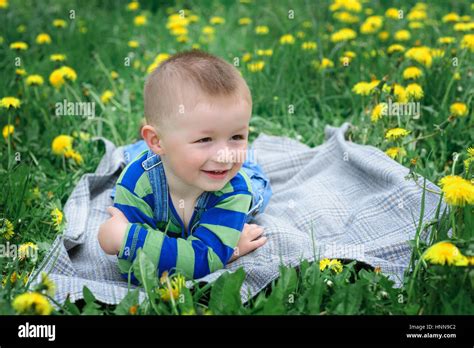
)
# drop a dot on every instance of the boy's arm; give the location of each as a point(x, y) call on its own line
point(207, 250)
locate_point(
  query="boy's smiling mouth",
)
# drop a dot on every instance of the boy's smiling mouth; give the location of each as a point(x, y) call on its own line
point(216, 174)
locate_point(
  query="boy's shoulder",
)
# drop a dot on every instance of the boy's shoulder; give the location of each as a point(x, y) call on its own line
point(134, 176)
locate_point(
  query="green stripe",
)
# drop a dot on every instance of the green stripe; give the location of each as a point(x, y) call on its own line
point(125, 197)
point(153, 244)
point(143, 186)
point(214, 261)
point(228, 236)
point(185, 259)
point(239, 203)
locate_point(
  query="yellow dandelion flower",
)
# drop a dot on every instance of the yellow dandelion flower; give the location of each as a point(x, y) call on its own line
point(371, 25)
point(8, 130)
point(334, 265)
point(245, 21)
point(140, 20)
point(450, 17)
point(172, 289)
point(20, 72)
point(160, 58)
point(246, 57)
point(458, 109)
point(47, 284)
point(457, 191)
point(287, 39)
point(346, 17)
point(133, 44)
point(61, 144)
point(56, 217)
point(262, 30)
point(446, 40)
point(32, 303)
point(325, 64)
point(107, 96)
point(421, 55)
point(59, 23)
point(57, 57)
point(6, 229)
point(10, 102)
point(34, 80)
point(437, 53)
point(414, 91)
point(59, 76)
point(43, 38)
point(417, 15)
point(208, 30)
point(402, 35)
point(349, 5)
point(384, 35)
point(133, 6)
point(468, 42)
point(412, 72)
point(309, 46)
point(114, 75)
point(395, 151)
point(470, 151)
point(377, 112)
point(3, 4)
point(396, 133)
point(392, 13)
point(444, 253)
point(26, 249)
point(76, 156)
point(19, 45)
point(416, 25)
point(365, 88)
point(395, 48)
point(256, 66)
point(344, 34)
point(217, 20)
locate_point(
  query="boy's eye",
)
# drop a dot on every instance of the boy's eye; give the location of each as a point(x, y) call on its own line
point(238, 137)
point(204, 140)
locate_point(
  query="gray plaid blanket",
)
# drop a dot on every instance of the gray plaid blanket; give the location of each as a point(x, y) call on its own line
point(337, 200)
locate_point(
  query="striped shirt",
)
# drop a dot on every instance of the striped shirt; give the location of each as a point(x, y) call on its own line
point(211, 240)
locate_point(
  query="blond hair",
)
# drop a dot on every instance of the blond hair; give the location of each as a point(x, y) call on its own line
point(211, 75)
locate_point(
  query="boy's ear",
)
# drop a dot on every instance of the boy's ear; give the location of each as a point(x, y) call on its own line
point(152, 139)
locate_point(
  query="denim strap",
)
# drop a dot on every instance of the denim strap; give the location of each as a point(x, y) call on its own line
point(156, 175)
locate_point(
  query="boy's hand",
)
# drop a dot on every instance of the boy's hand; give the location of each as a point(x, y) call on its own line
point(112, 231)
point(248, 241)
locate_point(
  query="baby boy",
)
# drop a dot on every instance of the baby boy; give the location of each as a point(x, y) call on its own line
point(185, 202)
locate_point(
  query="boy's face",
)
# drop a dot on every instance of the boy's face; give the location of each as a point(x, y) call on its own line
point(211, 137)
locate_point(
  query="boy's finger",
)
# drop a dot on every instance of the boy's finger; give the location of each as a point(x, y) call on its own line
point(259, 242)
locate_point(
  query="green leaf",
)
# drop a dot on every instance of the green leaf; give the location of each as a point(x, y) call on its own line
point(88, 296)
point(225, 293)
point(71, 307)
point(131, 299)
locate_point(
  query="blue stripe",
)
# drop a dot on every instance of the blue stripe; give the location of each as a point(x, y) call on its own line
point(128, 243)
point(142, 233)
point(135, 215)
point(210, 239)
point(150, 200)
point(168, 255)
point(238, 182)
point(224, 217)
point(133, 173)
point(201, 263)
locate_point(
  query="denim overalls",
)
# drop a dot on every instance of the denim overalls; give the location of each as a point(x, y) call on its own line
point(261, 190)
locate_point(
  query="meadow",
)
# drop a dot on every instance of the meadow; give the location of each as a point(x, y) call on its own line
point(308, 64)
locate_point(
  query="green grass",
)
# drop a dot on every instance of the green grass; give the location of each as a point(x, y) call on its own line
point(34, 181)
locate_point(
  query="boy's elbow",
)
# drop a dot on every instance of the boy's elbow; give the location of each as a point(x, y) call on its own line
point(104, 240)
